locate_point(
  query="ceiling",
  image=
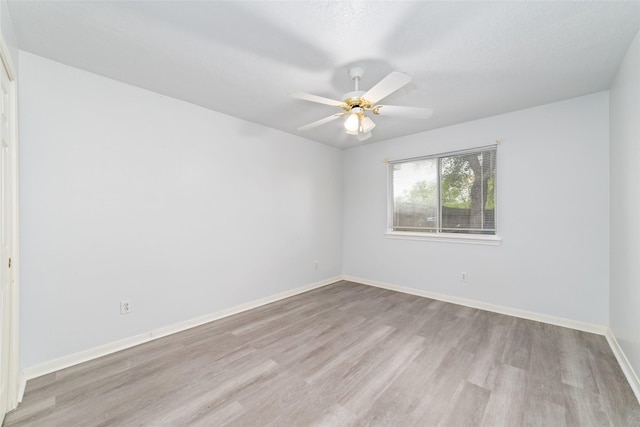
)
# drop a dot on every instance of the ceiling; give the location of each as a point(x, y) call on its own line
point(468, 60)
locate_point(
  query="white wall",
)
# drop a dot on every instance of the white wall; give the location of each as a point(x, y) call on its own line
point(553, 214)
point(625, 205)
point(130, 194)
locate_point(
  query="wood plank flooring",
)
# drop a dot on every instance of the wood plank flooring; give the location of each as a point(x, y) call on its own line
point(345, 355)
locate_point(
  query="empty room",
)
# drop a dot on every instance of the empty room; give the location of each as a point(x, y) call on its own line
point(336, 213)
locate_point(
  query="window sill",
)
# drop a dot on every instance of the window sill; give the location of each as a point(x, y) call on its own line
point(473, 239)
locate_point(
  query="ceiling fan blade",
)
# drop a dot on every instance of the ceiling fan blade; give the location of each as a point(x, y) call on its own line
point(407, 112)
point(385, 87)
point(316, 98)
point(322, 121)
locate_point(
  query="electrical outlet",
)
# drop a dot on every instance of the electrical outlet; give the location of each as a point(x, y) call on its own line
point(463, 277)
point(125, 306)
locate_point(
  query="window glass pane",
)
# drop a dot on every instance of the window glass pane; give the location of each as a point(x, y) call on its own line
point(415, 195)
point(468, 192)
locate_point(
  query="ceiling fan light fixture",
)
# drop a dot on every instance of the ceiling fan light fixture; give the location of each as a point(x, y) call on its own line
point(353, 121)
point(366, 124)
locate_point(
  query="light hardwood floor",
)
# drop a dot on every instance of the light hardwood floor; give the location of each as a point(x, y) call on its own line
point(346, 354)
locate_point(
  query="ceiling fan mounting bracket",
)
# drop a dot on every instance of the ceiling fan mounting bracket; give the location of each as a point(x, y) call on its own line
point(356, 73)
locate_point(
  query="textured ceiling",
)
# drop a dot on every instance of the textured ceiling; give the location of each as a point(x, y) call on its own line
point(467, 59)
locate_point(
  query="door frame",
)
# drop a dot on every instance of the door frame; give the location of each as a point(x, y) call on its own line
point(16, 388)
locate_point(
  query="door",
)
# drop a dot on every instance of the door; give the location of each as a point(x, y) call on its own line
point(8, 200)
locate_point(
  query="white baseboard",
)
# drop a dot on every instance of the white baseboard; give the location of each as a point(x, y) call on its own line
point(103, 350)
point(523, 314)
point(22, 385)
point(626, 367)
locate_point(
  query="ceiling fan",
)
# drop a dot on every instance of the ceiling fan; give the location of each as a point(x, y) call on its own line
point(356, 104)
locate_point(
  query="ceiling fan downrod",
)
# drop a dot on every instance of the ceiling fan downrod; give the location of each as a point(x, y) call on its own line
point(356, 74)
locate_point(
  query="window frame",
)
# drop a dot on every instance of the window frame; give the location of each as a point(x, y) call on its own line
point(439, 236)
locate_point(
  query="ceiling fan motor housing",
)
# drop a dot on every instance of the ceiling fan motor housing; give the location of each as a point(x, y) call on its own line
point(354, 99)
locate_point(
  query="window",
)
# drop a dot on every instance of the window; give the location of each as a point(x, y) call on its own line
point(447, 193)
